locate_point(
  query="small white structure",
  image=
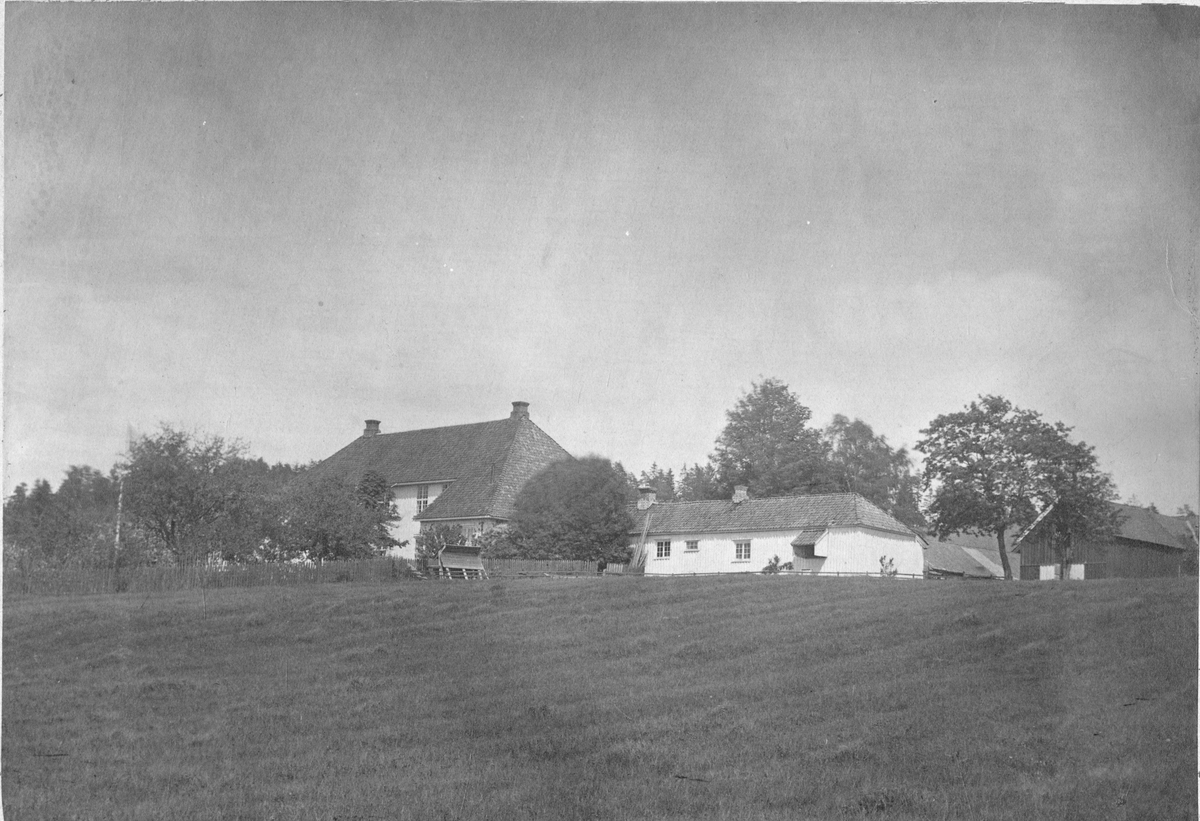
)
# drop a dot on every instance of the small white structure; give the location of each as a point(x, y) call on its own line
point(825, 534)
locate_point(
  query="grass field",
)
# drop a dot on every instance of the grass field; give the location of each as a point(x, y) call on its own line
point(741, 698)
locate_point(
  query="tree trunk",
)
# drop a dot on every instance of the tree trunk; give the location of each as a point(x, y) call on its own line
point(1003, 555)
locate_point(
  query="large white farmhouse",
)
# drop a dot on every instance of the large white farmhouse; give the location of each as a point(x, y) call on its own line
point(465, 475)
point(823, 534)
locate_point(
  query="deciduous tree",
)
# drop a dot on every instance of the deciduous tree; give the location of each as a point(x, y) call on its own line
point(994, 466)
point(326, 518)
point(768, 446)
point(574, 509)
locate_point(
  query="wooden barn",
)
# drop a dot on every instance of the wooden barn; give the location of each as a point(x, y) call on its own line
point(1147, 544)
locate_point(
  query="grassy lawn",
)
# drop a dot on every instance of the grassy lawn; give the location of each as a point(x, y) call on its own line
point(740, 697)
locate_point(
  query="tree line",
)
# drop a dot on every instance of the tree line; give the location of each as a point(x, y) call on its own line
point(769, 446)
point(182, 497)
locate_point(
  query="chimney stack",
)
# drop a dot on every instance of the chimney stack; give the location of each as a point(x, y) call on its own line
point(740, 494)
point(647, 497)
point(372, 428)
point(520, 410)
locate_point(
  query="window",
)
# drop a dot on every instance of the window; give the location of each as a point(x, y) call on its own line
point(422, 498)
point(805, 551)
point(663, 550)
point(741, 551)
point(692, 546)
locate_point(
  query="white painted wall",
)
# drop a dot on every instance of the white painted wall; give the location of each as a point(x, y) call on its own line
point(1050, 572)
point(846, 550)
point(406, 527)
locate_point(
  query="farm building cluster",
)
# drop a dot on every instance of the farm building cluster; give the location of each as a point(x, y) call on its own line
point(469, 475)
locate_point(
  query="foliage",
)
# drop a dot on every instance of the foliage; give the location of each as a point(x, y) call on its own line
point(861, 462)
point(697, 483)
point(574, 509)
point(327, 518)
point(773, 567)
point(75, 526)
point(994, 466)
point(434, 537)
point(887, 567)
point(497, 543)
point(663, 482)
point(178, 487)
point(767, 445)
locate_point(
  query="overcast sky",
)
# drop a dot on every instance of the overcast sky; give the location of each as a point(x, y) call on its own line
point(272, 221)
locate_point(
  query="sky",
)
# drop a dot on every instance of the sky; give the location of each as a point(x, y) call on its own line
point(272, 221)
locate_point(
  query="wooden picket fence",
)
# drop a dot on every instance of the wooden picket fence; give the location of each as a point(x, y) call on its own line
point(539, 567)
point(164, 578)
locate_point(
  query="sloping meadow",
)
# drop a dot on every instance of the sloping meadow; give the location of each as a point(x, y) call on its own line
point(561, 698)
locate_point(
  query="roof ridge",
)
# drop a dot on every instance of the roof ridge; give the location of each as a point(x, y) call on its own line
point(751, 499)
point(441, 427)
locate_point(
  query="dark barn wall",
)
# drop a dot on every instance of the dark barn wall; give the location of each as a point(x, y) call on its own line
point(1119, 559)
point(1134, 560)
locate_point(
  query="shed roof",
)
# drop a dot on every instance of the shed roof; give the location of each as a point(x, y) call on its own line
point(486, 463)
point(946, 557)
point(1139, 524)
point(1142, 525)
point(814, 512)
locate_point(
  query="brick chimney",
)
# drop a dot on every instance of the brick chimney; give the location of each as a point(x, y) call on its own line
point(520, 410)
point(372, 428)
point(740, 494)
point(647, 496)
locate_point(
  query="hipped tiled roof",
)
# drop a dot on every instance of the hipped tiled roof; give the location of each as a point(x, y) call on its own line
point(486, 463)
point(807, 513)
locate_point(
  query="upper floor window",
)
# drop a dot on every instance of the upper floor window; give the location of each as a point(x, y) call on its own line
point(693, 546)
point(741, 551)
point(663, 550)
point(422, 498)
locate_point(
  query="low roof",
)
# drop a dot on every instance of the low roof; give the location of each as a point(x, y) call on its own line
point(461, 557)
point(945, 557)
point(805, 513)
point(1143, 525)
point(1139, 524)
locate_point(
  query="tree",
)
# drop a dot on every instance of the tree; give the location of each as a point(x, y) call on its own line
point(1078, 497)
point(663, 482)
point(697, 483)
point(433, 538)
point(178, 486)
point(767, 446)
point(574, 509)
point(861, 462)
point(31, 533)
point(993, 466)
point(74, 525)
point(326, 518)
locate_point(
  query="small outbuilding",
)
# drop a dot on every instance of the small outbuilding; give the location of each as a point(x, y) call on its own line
point(1146, 543)
point(459, 561)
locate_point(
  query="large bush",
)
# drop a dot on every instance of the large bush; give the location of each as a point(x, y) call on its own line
point(574, 509)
